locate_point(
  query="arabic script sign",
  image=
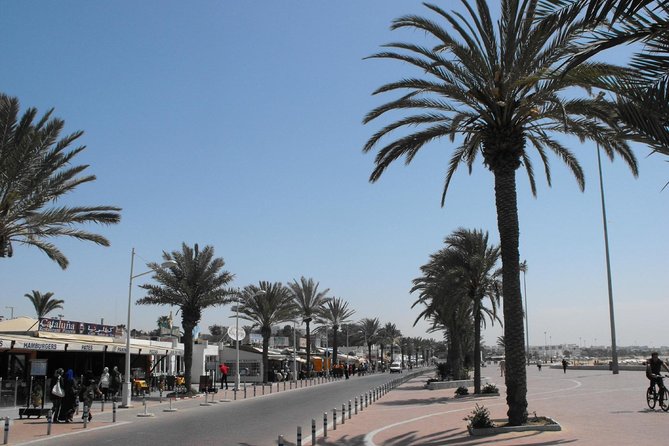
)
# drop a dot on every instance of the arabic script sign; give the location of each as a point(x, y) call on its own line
point(72, 327)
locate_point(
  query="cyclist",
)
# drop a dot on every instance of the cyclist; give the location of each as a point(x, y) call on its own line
point(654, 367)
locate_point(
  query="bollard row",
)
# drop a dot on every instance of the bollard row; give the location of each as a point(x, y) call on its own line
point(365, 399)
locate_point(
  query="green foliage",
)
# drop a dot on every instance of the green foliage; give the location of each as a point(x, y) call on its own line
point(444, 371)
point(194, 281)
point(490, 388)
point(480, 418)
point(37, 169)
point(44, 303)
point(462, 390)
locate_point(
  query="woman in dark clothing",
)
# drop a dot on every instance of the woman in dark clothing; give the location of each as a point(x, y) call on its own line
point(57, 399)
point(69, 402)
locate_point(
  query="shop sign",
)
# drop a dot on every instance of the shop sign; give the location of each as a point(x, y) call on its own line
point(35, 345)
point(74, 346)
point(73, 327)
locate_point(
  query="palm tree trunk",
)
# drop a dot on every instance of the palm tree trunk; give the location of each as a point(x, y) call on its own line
point(188, 351)
point(514, 336)
point(266, 333)
point(477, 347)
point(455, 355)
point(334, 344)
point(369, 353)
point(307, 321)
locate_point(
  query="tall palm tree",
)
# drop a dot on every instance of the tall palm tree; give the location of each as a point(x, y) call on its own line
point(195, 282)
point(36, 171)
point(309, 302)
point(369, 329)
point(266, 310)
point(473, 262)
point(496, 89)
point(335, 313)
point(43, 303)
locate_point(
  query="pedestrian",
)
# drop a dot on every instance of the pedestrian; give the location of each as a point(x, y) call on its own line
point(105, 381)
point(539, 365)
point(116, 379)
point(224, 375)
point(57, 394)
point(87, 393)
point(69, 402)
point(502, 365)
point(564, 365)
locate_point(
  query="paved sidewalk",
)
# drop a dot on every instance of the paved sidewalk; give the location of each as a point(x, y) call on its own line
point(593, 408)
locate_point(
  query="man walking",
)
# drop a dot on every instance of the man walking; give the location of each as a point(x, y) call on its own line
point(224, 375)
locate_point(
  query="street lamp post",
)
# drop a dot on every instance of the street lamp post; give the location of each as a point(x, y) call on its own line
point(612, 319)
point(237, 380)
point(523, 268)
point(237, 341)
point(545, 345)
point(127, 385)
point(294, 351)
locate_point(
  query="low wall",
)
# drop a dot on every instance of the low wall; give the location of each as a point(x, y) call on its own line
point(436, 385)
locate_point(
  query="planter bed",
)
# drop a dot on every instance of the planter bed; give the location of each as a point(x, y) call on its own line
point(549, 425)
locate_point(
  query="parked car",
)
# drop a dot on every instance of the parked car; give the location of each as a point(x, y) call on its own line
point(395, 367)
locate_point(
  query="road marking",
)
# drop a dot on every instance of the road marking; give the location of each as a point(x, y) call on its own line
point(83, 431)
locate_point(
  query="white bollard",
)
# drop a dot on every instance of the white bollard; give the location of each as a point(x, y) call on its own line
point(6, 439)
point(170, 409)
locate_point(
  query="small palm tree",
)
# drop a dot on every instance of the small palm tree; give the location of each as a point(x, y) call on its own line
point(35, 172)
point(447, 307)
point(392, 335)
point(196, 281)
point(335, 313)
point(266, 305)
point(309, 302)
point(43, 303)
point(473, 264)
point(369, 329)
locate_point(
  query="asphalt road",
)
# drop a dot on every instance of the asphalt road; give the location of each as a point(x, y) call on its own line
point(251, 422)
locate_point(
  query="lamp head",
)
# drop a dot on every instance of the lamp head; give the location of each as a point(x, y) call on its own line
point(168, 264)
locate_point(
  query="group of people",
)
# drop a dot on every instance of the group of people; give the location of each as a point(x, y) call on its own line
point(67, 392)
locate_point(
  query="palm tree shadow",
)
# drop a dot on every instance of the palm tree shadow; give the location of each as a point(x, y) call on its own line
point(446, 437)
point(415, 401)
point(460, 436)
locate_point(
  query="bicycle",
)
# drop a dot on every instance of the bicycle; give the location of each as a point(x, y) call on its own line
point(652, 396)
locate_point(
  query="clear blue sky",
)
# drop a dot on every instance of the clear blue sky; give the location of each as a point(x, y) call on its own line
point(238, 125)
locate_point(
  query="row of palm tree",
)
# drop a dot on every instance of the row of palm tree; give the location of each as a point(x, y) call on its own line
point(195, 280)
point(453, 289)
point(498, 88)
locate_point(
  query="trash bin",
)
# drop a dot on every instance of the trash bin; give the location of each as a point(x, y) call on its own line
point(205, 383)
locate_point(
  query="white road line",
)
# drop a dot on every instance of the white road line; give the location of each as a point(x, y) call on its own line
point(83, 431)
